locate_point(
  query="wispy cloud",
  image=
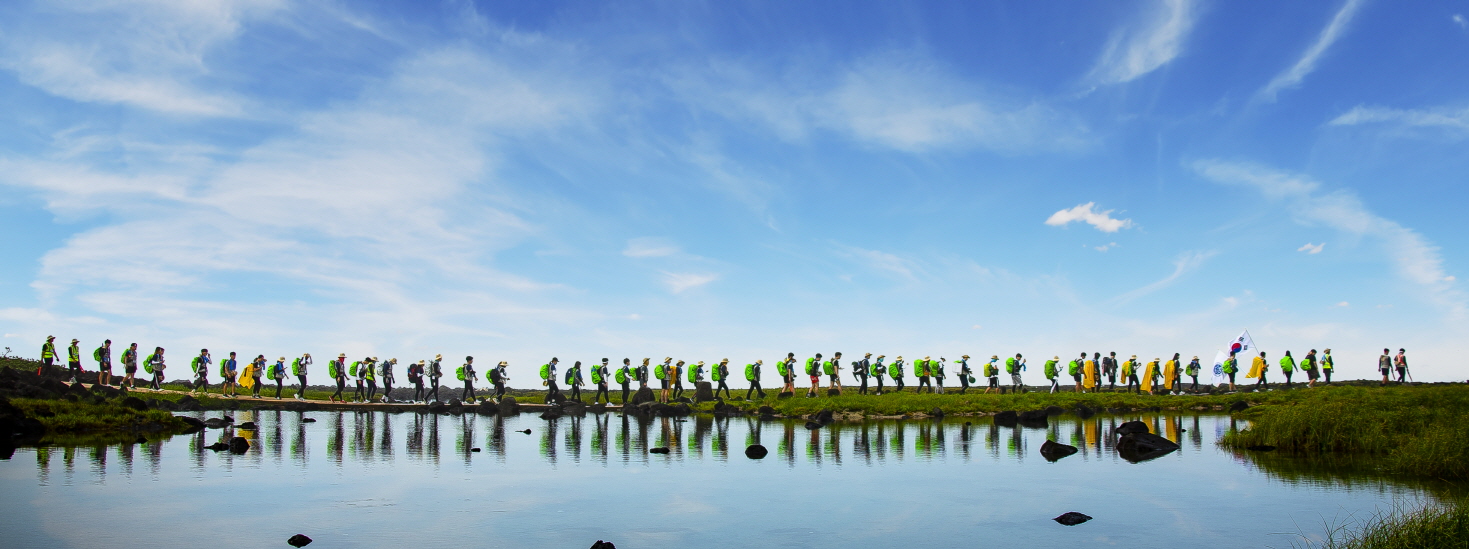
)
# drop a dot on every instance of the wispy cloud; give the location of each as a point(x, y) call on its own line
point(1134, 52)
point(1458, 19)
point(1416, 260)
point(1103, 248)
point(1310, 248)
point(1185, 263)
point(1293, 76)
point(1456, 118)
point(679, 282)
point(1085, 213)
point(650, 247)
point(882, 261)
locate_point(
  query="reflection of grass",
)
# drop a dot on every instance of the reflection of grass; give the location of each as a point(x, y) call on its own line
point(67, 417)
point(894, 404)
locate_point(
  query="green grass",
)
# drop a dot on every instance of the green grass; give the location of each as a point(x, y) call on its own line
point(1430, 528)
point(63, 417)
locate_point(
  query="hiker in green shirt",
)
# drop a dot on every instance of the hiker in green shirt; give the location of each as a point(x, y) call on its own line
point(1327, 365)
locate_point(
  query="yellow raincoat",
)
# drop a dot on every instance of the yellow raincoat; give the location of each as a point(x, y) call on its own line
point(1148, 373)
point(1257, 367)
point(1170, 374)
point(1089, 374)
point(247, 378)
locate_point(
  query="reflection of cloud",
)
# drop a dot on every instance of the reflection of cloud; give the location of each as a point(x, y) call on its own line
point(1130, 54)
point(1307, 63)
point(1102, 220)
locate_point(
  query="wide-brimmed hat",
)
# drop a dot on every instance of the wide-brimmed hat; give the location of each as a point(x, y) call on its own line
point(440, 357)
point(1056, 357)
point(900, 357)
point(926, 357)
point(75, 340)
point(1196, 357)
point(343, 355)
point(1134, 356)
point(421, 361)
point(49, 338)
point(759, 361)
point(882, 356)
point(283, 359)
point(503, 363)
point(1326, 350)
point(307, 355)
point(965, 356)
point(868, 354)
point(994, 357)
point(722, 361)
point(701, 363)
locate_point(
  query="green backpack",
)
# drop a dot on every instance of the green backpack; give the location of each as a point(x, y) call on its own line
point(829, 367)
point(296, 367)
point(148, 364)
point(783, 368)
point(352, 370)
point(694, 373)
point(333, 370)
point(749, 372)
point(570, 376)
point(459, 373)
point(622, 375)
point(546, 371)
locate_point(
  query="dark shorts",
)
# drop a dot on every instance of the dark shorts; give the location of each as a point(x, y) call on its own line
point(1311, 374)
point(833, 378)
point(131, 369)
point(1077, 377)
point(105, 368)
point(663, 382)
point(994, 382)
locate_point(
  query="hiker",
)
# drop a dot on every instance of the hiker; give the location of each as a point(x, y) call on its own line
point(720, 374)
point(254, 370)
point(369, 373)
point(813, 370)
point(1384, 365)
point(298, 369)
point(938, 374)
point(896, 372)
point(48, 354)
point(1257, 370)
point(229, 370)
point(752, 375)
point(1051, 373)
point(466, 374)
point(415, 376)
point(74, 361)
point(992, 372)
point(337, 370)
point(1327, 365)
point(574, 380)
point(358, 371)
point(600, 373)
point(548, 380)
point(1401, 363)
point(922, 369)
point(1129, 371)
point(200, 364)
point(1090, 378)
point(435, 371)
point(496, 377)
point(677, 376)
point(860, 370)
point(130, 367)
point(154, 365)
point(642, 375)
point(878, 371)
point(787, 370)
point(1170, 375)
point(504, 381)
point(385, 371)
point(1193, 372)
point(1151, 374)
point(103, 356)
point(1287, 367)
point(624, 376)
point(661, 372)
point(1074, 370)
point(833, 369)
point(1014, 366)
point(966, 376)
point(696, 374)
point(1230, 367)
point(1109, 369)
point(1308, 364)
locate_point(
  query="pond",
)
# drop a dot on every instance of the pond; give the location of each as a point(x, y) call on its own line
point(376, 479)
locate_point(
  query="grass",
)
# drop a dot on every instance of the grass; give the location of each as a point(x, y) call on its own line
point(1429, 528)
point(65, 417)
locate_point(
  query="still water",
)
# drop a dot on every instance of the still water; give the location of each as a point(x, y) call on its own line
point(374, 479)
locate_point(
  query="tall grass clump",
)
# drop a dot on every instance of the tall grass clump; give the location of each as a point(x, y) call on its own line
point(1430, 528)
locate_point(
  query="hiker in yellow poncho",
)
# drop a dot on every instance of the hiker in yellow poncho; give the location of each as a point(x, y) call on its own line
point(1089, 373)
point(1150, 375)
point(1170, 375)
point(1257, 370)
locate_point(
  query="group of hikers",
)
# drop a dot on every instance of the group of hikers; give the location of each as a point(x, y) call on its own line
point(1156, 376)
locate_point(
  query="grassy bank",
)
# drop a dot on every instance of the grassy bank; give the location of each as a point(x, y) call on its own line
point(1431, 528)
point(69, 422)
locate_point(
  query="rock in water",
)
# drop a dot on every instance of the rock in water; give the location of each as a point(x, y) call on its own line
point(527, 431)
point(509, 407)
point(824, 417)
point(1140, 447)
point(248, 426)
point(1053, 451)
point(308, 420)
point(474, 449)
point(658, 450)
point(216, 423)
point(194, 424)
point(756, 451)
point(239, 445)
point(1034, 418)
point(299, 540)
point(218, 447)
point(1072, 518)
point(1006, 418)
point(1239, 406)
point(1130, 428)
point(643, 395)
point(603, 545)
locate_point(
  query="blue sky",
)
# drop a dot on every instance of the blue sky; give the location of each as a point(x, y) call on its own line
point(705, 180)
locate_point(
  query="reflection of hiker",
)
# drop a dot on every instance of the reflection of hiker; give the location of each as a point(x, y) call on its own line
point(1384, 365)
point(466, 374)
point(130, 366)
point(200, 364)
point(1051, 373)
point(1109, 369)
point(298, 369)
point(1327, 365)
point(720, 374)
point(879, 371)
point(600, 373)
point(103, 356)
point(896, 372)
point(1230, 367)
point(1287, 367)
point(813, 370)
point(1309, 365)
point(752, 375)
point(965, 374)
point(1193, 371)
point(624, 377)
point(74, 361)
point(415, 376)
point(48, 354)
point(336, 368)
point(992, 371)
point(1401, 362)
point(938, 374)
point(154, 365)
point(1258, 368)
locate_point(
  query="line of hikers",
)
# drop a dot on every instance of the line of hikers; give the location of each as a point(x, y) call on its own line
point(1086, 372)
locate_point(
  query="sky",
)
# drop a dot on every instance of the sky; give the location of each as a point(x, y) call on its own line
point(708, 180)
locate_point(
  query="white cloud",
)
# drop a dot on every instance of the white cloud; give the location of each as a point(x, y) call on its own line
point(882, 261)
point(1102, 220)
point(1343, 304)
point(650, 247)
point(1458, 19)
point(1453, 118)
point(1293, 76)
point(1103, 248)
point(1416, 260)
point(1185, 263)
point(678, 282)
point(1136, 52)
point(1311, 248)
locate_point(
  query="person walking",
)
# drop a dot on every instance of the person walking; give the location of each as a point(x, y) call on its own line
point(359, 375)
point(1074, 370)
point(624, 378)
point(435, 371)
point(1230, 367)
point(924, 372)
point(813, 370)
point(992, 373)
point(879, 371)
point(1308, 365)
point(103, 356)
point(466, 374)
point(896, 372)
point(254, 371)
point(833, 370)
point(368, 372)
point(1384, 365)
point(385, 372)
point(787, 370)
point(200, 365)
point(278, 373)
point(752, 375)
point(1171, 375)
point(1109, 369)
point(1014, 366)
point(130, 367)
point(299, 367)
point(1287, 367)
point(1052, 373)
point(860, 370)
point(48, 354)
point(696, 375)
point(1258, 368)
point(1091, 372)
point(642, 375)
point(966, 375)
point(676, 376)
point(1151, 374)
point(415, 376)
point(600, 373)
point(337, 369)
point(719, 375)
point(1193, 370)
point(1401, 363)
point(155, 366)
point(74, 360)
point(1327, 365)
point(502, 380)
point(574, 380)
point(662, 372)
point(548, 379)
point(938, 374)
point(1129, 372)
point(229, 370)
